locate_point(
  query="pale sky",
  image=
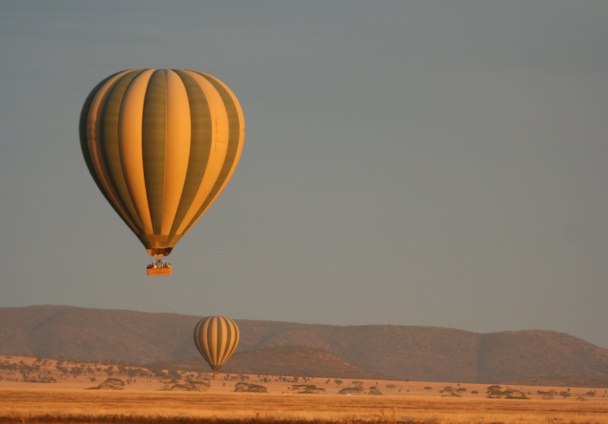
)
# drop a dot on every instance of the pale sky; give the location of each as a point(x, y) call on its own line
point(434, 163)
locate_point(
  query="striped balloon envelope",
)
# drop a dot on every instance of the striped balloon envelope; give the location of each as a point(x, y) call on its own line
point(161, 145)
point(216, 338)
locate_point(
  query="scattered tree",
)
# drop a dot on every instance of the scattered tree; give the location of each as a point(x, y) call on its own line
point(496, 392)
point(250, 388)
point(449, 391)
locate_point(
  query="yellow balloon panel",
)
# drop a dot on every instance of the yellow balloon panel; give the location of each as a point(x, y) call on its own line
point(161, 144)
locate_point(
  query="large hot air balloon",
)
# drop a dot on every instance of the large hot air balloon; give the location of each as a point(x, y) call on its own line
point(216, 338)
point(161, 144)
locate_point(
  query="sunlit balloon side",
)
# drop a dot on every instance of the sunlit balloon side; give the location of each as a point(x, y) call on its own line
point(216, 338)
point(161, 145)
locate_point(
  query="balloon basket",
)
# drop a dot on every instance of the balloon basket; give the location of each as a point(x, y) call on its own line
point(159, 267)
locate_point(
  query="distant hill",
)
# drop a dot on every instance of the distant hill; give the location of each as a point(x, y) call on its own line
point(281, 348)
point(283, 360)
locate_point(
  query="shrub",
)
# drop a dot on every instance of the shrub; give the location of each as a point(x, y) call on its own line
point(496, 392)
point(351, 391)
point(250, 388)
point(449, 391)
point(306, 389)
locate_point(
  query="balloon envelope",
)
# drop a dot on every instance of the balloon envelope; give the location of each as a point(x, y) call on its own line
point(216, 338)
point(161, 144)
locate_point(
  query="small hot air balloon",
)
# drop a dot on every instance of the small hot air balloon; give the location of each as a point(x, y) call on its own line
point(161, 144)
point(216, 338)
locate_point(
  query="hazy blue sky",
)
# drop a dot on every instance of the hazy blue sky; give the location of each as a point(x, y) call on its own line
point(437, 163)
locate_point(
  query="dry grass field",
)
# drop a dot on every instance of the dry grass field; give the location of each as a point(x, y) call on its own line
point(49, 391)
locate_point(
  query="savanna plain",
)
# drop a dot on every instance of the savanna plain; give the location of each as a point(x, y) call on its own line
point(34, 390)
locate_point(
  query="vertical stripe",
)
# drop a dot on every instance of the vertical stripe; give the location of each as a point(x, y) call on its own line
point(229, 340)
point(196, 339)
point(87, 123)
point(205, 342)
point(203, 339)
point(92, 142)
point(154, 137)
point(130, 134)
point(236, 136)
point(222, 339)
point(200, 146)
point(108, 146)
point(234, 338)
point(217, 150)
point(177, 149)
point(212, 335)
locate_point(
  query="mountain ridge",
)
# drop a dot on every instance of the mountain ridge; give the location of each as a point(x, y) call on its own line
point(391, 351)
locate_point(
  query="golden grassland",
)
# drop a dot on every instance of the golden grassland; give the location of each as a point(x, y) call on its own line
point(148, 399)
point(27, 405)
